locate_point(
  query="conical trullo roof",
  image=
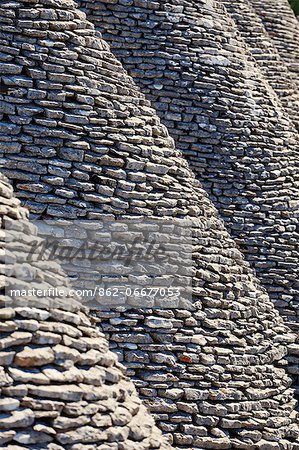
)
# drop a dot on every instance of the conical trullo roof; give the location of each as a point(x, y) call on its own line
point(83, 142)
point(265, 53)
point(283, 27)
point(61, 388)
point(189, 60)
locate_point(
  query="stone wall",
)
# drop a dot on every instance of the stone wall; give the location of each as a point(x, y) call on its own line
point(190, 62)
point(80, 141)
point(283, 27)
point(265, 53)
point(61, 387)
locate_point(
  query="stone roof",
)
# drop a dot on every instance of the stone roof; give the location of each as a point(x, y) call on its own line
point(191, 62)
point(265, 53)
point(81, 141)
point(249, 169)
point(282, 25)
point(61, 387)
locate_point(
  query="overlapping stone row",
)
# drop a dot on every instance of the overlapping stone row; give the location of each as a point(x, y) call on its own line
point(189, 60)
point(266, 55)
point(61, 387)
point(283, 27)
point(242, 174)
point(81, 141)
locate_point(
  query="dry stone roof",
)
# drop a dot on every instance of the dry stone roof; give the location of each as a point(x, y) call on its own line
point(283, 27)
point(61, 388)
point(189, 60)
point(81, 141)
point(266, 55)
point(230, 138)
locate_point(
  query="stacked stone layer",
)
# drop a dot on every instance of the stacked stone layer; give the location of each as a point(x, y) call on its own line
point(266, 55)
point(283, 27)
point(61, 387)
point(81, 141)
point(189, 61)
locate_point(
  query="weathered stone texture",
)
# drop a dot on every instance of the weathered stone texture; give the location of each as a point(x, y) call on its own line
point(189, 60)
point(267, 56)
point(92, 147)
point(283, 27)
point(59, 393)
